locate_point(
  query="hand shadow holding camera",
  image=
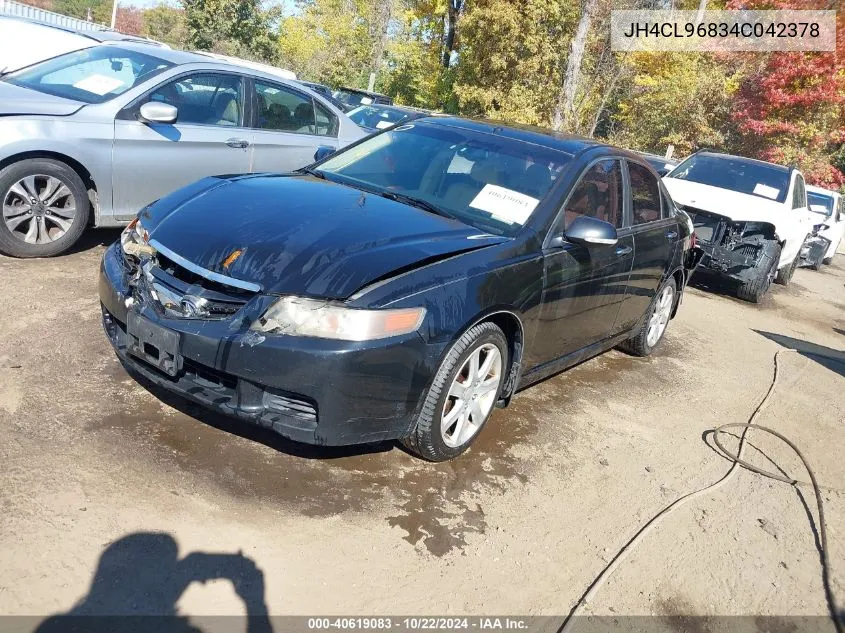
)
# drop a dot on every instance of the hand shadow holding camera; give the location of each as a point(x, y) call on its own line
point(139, 580)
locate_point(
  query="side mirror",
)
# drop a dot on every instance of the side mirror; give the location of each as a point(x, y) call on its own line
point(589, 231)
point(324, 151)
point(818, 228)
point(155, 112)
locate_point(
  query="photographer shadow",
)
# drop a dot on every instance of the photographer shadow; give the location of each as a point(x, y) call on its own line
point(139, 580)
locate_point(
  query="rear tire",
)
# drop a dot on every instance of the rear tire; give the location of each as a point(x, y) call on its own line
point(45, 208)
point(448, 424)
point(641, 344)
point(785, 274)
point(755, 289)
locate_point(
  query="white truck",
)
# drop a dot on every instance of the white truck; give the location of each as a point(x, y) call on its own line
point(751, 217)
point(830, 205)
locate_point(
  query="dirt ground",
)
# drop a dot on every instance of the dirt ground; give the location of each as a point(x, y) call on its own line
point(100, 479)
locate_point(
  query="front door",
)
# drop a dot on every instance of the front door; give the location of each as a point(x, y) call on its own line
point(289, 127)
point(584, 286)
point(208, 138)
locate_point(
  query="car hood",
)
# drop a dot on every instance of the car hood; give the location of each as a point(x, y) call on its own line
point(17, 100)
point(302, 235)
point(739, 207)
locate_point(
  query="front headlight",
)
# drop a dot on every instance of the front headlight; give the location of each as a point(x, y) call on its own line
point(134, 239)
point(298, 316)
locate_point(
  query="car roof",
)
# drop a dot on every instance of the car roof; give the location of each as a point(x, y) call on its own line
point(742, 159)
point(823, 191)
point(561, 141)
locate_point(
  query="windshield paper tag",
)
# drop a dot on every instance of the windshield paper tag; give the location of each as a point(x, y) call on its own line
point(366, 100)
point(766, 190)
point(98, 84)
point(505, 204)
point(383, 124)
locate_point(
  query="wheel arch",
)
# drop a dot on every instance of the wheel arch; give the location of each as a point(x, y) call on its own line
point(511, 324)
point(71, 162)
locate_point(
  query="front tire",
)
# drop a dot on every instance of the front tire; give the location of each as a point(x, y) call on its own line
point(755, 289)
point(648, 336)
point(45, 208)
point(785, 274)
point(462, 395)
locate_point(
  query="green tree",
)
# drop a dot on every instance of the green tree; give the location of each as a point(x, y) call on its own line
point(241, 27)
point(100, 9)
point(165, 23)
point(683, 99)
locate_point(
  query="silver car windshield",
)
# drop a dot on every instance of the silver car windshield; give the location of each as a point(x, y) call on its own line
point(92, 75)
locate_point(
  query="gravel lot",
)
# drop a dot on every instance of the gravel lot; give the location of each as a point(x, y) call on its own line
point(92, 462)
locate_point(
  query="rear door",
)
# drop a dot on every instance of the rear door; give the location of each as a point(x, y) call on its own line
point(584, 287)
point(288, 127)
point(207, 139)
point(655, 234)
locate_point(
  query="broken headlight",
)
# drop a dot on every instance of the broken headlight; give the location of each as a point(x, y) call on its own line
point(134, 240)
point(298, 316)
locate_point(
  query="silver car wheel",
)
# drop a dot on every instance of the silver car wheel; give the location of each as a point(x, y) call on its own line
point(39, 209)
point(471, 396)
point(660, 316)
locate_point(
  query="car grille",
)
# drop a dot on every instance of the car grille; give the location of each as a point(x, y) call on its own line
point(184, 294)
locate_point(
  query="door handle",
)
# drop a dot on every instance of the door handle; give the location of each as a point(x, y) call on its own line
point(671, 235)
point(623, 250)
point(237, 143)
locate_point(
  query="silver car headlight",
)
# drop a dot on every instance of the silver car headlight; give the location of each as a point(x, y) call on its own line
point(134, 239)
point(298, 316)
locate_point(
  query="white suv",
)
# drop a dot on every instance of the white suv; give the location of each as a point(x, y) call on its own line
point(830, 205)
point(751, 217)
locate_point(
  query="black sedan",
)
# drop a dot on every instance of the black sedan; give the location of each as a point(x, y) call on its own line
point(400, 288)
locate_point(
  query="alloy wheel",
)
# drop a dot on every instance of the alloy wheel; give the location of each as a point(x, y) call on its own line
point(471, 396)
point(660, 316)
point(39, 209)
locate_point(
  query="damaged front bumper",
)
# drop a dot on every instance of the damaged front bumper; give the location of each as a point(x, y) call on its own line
point(730, 249)
point(814, 250)
point(311, 390)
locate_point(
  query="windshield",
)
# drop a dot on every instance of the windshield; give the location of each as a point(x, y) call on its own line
point(489, 182)
point(93, 75)
point(352, 98)
point(737, 174)
point(820, 203)
point(376, 118)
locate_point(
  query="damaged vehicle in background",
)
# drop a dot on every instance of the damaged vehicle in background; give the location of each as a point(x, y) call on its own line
point(401, 288)
point(750, 217)
point(829, 209)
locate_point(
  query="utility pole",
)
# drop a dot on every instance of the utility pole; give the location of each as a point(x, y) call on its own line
point(113, 14)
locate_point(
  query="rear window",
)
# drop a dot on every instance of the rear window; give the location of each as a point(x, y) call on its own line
point(753, 178)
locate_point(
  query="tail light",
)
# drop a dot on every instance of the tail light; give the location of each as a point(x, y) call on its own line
point(693, 240)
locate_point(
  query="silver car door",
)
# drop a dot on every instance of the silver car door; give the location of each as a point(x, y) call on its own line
point(289, 126)
point(208, 138)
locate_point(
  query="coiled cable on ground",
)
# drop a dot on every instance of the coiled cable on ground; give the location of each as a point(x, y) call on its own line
point(737, 462)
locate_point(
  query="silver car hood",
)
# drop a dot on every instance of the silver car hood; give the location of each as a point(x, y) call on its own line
point(17, 100)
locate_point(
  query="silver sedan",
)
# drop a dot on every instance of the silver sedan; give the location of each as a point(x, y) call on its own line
point(91, 137)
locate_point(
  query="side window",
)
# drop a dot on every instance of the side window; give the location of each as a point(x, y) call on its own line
point(204, 99)
point(283, 110)
point(645, 194)
point(598, 194)
point(327, 123)
point(799, 195)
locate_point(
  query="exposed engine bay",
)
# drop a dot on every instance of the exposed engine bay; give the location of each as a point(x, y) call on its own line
point(731, 248)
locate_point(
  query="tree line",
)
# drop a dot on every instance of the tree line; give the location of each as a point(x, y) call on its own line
point(541, 62)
